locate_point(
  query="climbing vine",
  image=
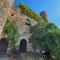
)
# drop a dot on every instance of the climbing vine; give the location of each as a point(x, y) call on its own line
point(11, 31)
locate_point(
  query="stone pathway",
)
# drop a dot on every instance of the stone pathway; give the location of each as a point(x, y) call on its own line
point(30, 56)
point(3, 57)
point(23, 56)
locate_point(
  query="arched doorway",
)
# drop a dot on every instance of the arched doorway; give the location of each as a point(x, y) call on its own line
point(23, 45)
point(3, 46)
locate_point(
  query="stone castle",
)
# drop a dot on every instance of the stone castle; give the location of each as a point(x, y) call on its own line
point(7, 9)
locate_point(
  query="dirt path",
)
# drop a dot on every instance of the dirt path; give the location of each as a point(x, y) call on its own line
point(23, 56)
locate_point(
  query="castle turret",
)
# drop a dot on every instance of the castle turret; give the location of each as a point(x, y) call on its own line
point(44, 16)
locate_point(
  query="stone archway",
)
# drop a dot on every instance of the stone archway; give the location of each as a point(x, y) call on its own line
point(3, 45)
point(23, 46)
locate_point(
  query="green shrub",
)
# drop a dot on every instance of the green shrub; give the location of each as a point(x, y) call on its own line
point(10, 31)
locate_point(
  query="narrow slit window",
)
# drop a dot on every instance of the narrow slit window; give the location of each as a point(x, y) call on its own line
point(28, 22)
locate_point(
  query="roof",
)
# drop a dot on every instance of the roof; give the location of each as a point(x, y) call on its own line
point(26, 10)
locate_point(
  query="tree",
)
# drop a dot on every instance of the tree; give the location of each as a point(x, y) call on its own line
point(51, 38)
point(46, 36)
point(38, 32)
point(11, 31)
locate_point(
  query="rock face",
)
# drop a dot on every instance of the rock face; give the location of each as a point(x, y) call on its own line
point(5, 8)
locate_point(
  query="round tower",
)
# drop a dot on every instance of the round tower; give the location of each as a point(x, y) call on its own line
point(44, 15)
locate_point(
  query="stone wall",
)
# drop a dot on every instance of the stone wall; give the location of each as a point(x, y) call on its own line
point(24, 30)
point(5, 9)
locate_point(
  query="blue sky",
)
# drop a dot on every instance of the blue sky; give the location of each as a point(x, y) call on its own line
point(52, 8)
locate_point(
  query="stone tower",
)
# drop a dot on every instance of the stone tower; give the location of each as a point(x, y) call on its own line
point(5, 9)
point(44, 15)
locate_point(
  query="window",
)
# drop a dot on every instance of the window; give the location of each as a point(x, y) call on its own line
point(28, 22)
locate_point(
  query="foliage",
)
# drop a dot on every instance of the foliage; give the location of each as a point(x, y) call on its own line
point(46, 35)
point(37, 33)
point(11, 31)
point(51, 26)
point(30, 13)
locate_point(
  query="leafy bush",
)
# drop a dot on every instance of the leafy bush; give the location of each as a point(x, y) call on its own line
point(46, 36)
point(11, 31)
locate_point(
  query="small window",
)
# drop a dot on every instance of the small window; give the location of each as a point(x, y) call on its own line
point(12, 14)
point(28, 22)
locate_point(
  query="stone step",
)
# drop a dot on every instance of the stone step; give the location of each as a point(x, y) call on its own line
point(30, 56)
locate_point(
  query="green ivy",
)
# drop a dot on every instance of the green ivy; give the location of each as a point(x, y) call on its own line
point(11, 31)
